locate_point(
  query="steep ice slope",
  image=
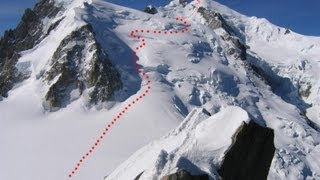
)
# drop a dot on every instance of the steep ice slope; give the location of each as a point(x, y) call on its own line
point(188, 70)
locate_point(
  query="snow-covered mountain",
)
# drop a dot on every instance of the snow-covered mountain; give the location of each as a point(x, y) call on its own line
point(66, 71)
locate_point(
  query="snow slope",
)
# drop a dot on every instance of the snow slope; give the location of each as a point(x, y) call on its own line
point(187, 71)
point(199, 141)
point(41, 145)
point(291, 55)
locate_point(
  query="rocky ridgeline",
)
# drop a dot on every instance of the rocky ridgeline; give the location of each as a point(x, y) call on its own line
point(25, 36)
point(80, 64)
point(215, 21)
point(249, 156)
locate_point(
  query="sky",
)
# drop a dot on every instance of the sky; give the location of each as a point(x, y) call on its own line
point(11, 12)
point(302, 16)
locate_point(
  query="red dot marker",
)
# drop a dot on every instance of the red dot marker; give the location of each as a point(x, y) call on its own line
point(146, 77)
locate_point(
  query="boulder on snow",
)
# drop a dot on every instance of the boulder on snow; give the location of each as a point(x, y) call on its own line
point(251, 154)
point(185, 175)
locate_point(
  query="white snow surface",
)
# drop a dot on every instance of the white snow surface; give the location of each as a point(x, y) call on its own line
point(187, 71)
point(199, 141)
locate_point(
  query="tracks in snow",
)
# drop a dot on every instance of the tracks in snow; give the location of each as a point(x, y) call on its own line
point(135, 34)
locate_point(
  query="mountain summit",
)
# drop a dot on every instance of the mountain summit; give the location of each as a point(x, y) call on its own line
point(228, 95)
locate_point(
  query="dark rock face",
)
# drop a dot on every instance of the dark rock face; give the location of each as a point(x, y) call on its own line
point(240, 46)
point(184, 175)
point(183, 2)
point(138, 177)
point(215, 21)
point(151, 10)
point(287, 31)
point(251, 154)
point(76, 72)
point(26, 35)
point(305, 92)
point(54, 25)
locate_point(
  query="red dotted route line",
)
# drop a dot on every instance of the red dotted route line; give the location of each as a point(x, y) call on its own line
point(142, 44)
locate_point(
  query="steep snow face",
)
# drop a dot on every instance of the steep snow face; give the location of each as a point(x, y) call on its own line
point(197, 145)
point(297, 61)
point(290, 59)
point(187, 71)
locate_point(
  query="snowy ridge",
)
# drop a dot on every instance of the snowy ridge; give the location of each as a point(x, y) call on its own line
point(199, 142)
point(288, 54)
point(189, 71)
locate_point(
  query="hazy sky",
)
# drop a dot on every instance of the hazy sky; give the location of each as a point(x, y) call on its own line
point(302, 16)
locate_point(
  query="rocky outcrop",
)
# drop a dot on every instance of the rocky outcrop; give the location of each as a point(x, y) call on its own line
point(80, 64)
point(25, 36)
point(151, 9)
point(305, 89)
point(215, 21)
point(183, 2)
point(240, 46)
point(185, 175)
point(287, 32)
point(251, 154)
point(54, 25)
point(138, 177)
